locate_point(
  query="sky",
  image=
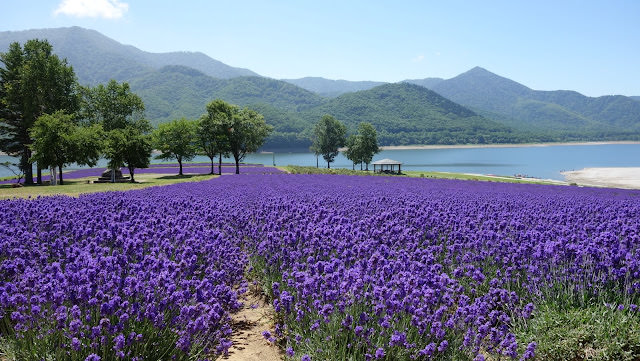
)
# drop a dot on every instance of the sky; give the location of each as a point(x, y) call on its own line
point(592, 47)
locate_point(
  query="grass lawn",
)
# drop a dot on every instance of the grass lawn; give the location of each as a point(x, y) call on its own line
point(418, 174)
point(75, 187)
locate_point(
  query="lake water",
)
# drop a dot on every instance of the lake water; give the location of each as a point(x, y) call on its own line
point(534, 161)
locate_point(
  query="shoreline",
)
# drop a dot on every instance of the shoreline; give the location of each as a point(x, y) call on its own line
point(610, 177)
point(509, 145)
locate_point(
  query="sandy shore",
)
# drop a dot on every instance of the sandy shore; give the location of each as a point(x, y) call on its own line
point(623, 177)
point(519, 145)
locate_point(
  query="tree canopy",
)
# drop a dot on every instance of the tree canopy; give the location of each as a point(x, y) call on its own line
point(246, 134)
point(176, 139)
point(328, 136)
point(130, 146)
point(58, 141)
point(33, 82)
point(121, 114)
point(113, 105)
point(212, 135)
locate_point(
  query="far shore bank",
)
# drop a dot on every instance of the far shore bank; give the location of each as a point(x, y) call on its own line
point(510, 145)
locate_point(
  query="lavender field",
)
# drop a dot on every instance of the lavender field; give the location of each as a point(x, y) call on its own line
point(356, 267)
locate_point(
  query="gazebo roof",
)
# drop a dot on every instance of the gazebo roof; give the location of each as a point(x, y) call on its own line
point(386, 161)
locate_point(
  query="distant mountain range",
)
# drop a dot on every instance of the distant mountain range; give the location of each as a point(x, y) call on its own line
point(332, 88)
point(97, 58)
point(474, 107)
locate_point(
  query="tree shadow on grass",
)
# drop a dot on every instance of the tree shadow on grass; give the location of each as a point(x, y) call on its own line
point(185, 176)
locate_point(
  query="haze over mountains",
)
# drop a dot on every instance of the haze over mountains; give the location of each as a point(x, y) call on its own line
point(474, 107)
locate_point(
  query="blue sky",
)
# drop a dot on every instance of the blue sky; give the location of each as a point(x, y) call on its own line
point(589, 46)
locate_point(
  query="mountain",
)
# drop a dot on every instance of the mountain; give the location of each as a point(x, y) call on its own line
point(635, 98)
point(520, 107)
point(410, 114)
point(332, 88)
point(97, 58)
point(403, 113)
point(426, 82)
point(179, 91)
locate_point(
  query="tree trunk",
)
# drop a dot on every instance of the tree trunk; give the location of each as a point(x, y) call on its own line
point(40, 175)
point(60, 171)
point(353, 166)
point(211, 164)
point(131, 170)
point(367, 167)
point(328, 165)
point(360, 165)
point(26, 166)
point(220, 165)
point(237, 165)
point(317, 164)
point(180, 164)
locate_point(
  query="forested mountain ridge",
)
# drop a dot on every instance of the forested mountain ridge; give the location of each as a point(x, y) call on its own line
point(178, 91)
point(97, 58)
point(518, 106)
point(426, 82)
point(332, 88)
point(406, 114)
point(402, 113)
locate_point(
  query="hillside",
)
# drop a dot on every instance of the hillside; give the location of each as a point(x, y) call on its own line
point(332, 88)
point(179, 91)
point(635, 98)
point(409, 114)
point(426, 82)
point(97, 58)
point(556, 113)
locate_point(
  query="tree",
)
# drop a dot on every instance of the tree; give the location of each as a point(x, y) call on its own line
point(33, 82)
point(130, 146)
point(113, 105)
point(58, 141)
point(368, 143)
point(176, 139)
point(121, 113)
point(212, 135)
point(246, 134)
point(329, 135)
point(353, 150)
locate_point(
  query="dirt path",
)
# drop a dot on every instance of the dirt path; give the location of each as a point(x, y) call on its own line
point(248, 324)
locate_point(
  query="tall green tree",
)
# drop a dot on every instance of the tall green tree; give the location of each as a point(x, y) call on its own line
point(176, 139)
point(114, 105)
point(212, 134)
point(130, 146)
point(353, 151)
point(328, 136)
point(367, 143)
point(121, 113)
point(33, 82)
point(58, 141)
point(246, 134)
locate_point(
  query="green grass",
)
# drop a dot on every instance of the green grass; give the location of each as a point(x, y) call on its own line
point(592, 332)
point(414, 174)
point(76, 187)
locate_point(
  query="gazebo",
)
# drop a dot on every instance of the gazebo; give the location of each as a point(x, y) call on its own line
point(387, 166)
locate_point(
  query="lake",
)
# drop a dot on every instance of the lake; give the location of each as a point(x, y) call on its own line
point(534, 161)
